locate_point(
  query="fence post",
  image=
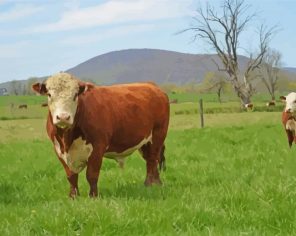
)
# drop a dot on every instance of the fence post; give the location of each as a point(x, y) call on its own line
point(201, 113)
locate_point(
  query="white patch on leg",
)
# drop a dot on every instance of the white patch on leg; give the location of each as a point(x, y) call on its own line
point(77, 157)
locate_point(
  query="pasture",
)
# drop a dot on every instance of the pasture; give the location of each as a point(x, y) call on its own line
point(235, 177)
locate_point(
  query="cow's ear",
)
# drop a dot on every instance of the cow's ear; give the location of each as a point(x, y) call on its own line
point(283, 98)
point(39, 88)
point(84, 87)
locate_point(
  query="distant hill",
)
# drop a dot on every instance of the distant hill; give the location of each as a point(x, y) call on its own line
point(135, 65)
point(290, 69)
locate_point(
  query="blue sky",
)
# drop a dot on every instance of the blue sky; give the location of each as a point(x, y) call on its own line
point(40, 38)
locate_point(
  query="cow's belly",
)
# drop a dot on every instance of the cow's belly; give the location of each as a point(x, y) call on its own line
point(77, 156)
point(121, 155)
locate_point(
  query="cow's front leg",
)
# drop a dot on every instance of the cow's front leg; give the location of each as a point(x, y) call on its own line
point(93, 170)
point(73, 180)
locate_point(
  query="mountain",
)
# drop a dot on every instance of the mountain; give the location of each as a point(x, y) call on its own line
point(135, 65)
point(290, 69)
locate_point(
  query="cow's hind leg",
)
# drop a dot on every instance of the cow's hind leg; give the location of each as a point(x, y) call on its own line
point(153, 155)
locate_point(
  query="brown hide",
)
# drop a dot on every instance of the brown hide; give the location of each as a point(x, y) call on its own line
point(23, 106)
point(114, 119)
point(121, 115)
point(271, 103)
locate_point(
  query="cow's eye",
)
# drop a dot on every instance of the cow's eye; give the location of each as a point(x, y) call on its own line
point(295, 101)
point(49, 95)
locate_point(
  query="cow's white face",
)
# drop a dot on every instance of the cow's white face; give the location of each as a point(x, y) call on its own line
point(290, 100)
point(62, 90)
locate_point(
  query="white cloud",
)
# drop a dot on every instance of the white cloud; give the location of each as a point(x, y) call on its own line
point(116, 12)
point(19, 11)
point(107, 34)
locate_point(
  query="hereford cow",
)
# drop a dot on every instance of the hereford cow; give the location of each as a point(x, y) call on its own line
point(270, 104)
point(23, 106)
point(288, 117)
point(174, 101)
point(86, 122)
point(249, 106)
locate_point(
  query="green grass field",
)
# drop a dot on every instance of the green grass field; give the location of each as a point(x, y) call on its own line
point(235, 177)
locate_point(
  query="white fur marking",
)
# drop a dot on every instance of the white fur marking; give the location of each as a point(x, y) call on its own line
point(118, 156)
point(291, 125)
point(76, 158)
point(62, 87)
point(290, 102)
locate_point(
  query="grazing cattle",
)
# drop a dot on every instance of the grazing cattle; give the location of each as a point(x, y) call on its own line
point(249, 106)
point(288, 117)
point(270, 104)
point(86, 122)
point(174, 101)
point(23, 106)
point(44, 104)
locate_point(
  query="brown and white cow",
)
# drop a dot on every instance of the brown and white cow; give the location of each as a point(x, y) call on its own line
point(249, 106)
point(23, 106)
point(86, 122)
point(288, 116)
point(270, 104)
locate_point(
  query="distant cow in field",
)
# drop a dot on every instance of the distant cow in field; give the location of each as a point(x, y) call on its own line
point(174, 101)
point(86, 122)
point(288, 117)
point(23, 106)
point(44, 104)
point(249, 106)
point(270, 104)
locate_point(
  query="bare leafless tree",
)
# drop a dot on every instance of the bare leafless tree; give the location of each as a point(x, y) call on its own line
point(222, 32)
point(270, 69)
point(214, 81)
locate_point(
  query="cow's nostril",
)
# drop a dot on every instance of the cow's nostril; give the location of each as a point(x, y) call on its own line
point(63, 117)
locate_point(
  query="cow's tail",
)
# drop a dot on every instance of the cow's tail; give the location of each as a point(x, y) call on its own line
point(162, 165)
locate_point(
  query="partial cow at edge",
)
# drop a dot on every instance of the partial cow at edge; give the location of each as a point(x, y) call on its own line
point(288, 116)
point(86, 122)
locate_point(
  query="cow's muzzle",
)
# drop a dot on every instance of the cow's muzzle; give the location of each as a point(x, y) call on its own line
point(63, 120)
